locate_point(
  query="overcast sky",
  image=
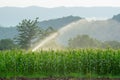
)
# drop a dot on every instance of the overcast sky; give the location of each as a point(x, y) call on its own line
point(57, 3)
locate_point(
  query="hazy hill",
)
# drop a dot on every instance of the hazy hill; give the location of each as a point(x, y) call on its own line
point(116, 17)
point(103, 30)
point(11, 16)
point(59, 22)
point(10, 32)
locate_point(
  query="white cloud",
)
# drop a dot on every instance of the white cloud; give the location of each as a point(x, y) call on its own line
point(56, 3)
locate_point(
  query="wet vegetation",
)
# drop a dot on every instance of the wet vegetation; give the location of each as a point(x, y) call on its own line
point(81, 63)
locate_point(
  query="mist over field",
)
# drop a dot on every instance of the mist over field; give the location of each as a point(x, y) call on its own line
point(102, 24)
point(59, 40)
point(103, 30)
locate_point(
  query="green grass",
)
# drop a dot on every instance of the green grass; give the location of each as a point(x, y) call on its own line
point(82, 63)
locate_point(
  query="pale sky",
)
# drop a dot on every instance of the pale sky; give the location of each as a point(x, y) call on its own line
point(57, 3)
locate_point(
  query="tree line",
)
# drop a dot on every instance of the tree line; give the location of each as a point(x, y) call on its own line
point(85, 41)
point(29, 33)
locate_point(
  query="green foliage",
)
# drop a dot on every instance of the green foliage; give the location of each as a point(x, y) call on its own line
point(28, 30)
point(83, 41)
point(11, 32)
point(112, 44)
point(60, 63)
point(6, 44)
point(30, 33)
point(46, 32)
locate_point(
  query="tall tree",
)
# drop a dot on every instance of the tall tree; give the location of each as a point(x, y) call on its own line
point(28, 31)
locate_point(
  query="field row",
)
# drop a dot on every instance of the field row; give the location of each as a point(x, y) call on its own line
point(16, 63)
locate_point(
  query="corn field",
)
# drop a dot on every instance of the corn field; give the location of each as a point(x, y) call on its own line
point(60, 63)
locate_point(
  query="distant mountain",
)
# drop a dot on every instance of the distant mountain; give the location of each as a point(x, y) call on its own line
point(11, 16)
point(59, 22)
point(116, 17)
point(11, 32)
point(104, 30)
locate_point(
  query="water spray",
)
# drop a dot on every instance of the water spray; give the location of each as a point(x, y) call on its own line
point(45, 41)
point(54, 35)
